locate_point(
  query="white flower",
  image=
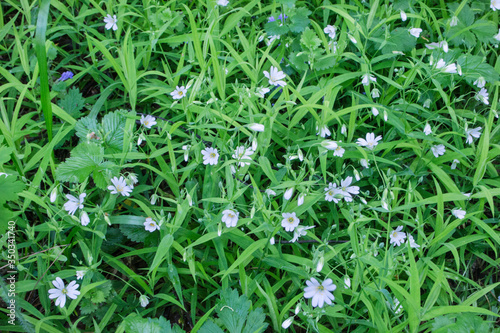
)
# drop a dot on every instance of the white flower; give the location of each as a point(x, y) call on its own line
point(356, 175)
point(290, 221)
point(441, 45)
point(475, 132)
point(415, 32)
point(262, 91)
point(120, 186)
point(480, 82)
point(497, 36)
point(300, 155)
point(299, 232)
point(323, 131)
point(366, 78)
point(287, 323)
point(111, 22)
point(320, 293)
point(397, 237)
point(179, 92)
point(140, 139)
point(84, 218)
point(144, 300)
point(53, 194)
point(230, 217)
point(242, 155)
point(80, 275)
point(186, 152)
point(300, 199)
point(482, 96)
point(413, 243)
point(319, 265)
point(427, 129)
point(148, 121)
point(452, 69)
point(347, 282)
point(364, 163)
point(353, 40)
point(375, 93)
point(339, 151)
point(60, 292)
point(288, 193)
point(403, 15)
point(454, 21)
point(272, 241)
point(459, 213)
point(347, 190)
point(329, 144)
point(454, 164)
point(270, 192)
point(256, 127)
point(427, 103)
point(495, 4)
point(375, 111)
point(343, 130)
point(271, 39)
point(370, 142)
point(331, 192)
point(397, 308)
point(438, 150)
point(150, 225)
point(331, 31)
point(73, 203)
point(210, 156)
point(223, 3)
point(275, 77)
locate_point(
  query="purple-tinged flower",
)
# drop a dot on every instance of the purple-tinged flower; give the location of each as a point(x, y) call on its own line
point(65, 76)
point(271, 19)
point(280, 17)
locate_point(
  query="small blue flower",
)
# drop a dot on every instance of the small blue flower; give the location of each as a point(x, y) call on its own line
point(271, 19)
point(65, 76)
point(281, 17)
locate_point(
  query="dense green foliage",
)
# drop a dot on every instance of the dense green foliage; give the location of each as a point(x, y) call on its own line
point(373, 125)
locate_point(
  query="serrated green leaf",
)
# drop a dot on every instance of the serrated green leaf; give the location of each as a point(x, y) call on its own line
point(484, 30)
point(134, 233)
point(399, 40)
point(325, 62)
point(112, 129)
point(299, 19)
point(309, 39)
point(135, 323)
point(85, 126)
point(9, 187)
point(276, 28)
point(5, 154)
point(286, 3)
point(72, 102)
point(299, 62)
point(84, 159)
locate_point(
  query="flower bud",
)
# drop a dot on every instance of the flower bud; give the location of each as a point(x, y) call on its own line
point(288, 193)
point(329, 144)
point(144, 301)
point(300, 200)
point(84, 219)
point(320, 264)
point(53, 194)
point(287, 323)
point(257, 127)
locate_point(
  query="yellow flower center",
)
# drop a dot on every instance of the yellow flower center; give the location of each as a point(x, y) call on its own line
point(146, 123)
point(212, 155)
point(64, 291)
point(230, 216)
point(395, 234)
point(291, 219)
point(119, 188)
point(180, 93)
point(320, 288)
point(330, 193)
point(152, 224)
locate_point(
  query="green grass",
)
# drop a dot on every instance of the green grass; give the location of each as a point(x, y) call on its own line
point(198, 274)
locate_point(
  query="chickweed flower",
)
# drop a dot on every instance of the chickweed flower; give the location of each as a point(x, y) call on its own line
point(80, 275)
point(346, 190)
point(415, 32)
point(364, 163)
point(120, 186)
point(375, 93)
point(257, 127)
point(288, 193)
point(413, 243)
point(427, 129)
point(482, 96)
point(287, 323)
point(438, 150)
point(371, 141)
point(230, 217)
point(459, 213)
point(223, 3)
point(300, 199)
point(473, 133)
point(210, 156)
point(84, 218)
point(323, 131)
point(179, 92)
point(331, 31)
point(270, 193)
point(290, 221)
point(320, 293)
point(148, 121)
point(299, 232)
point(347, 282)
point(397, 237)
point(53, 194)
point(275, 77)
point(480, 82)
point(495, 4)
point(150, 225)
point(367, 78)
point(111, 22)
point(454, 21)
point(441, 64)
point(73, 203)
point(61, 291)
point(403, 16)
point(262, 91)
point(242, 155)
point(329, 144)
point(332, 192)
point(454, 164)
point(497, 36)
point(144, 300)
point(375, 111)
